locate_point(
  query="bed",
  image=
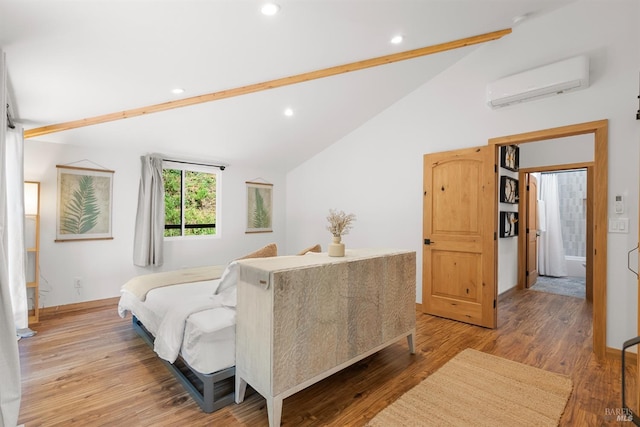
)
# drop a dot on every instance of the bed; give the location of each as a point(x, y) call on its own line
point(191, 328)
point(188, 317)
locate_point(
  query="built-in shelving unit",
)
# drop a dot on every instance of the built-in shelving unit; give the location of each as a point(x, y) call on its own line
point(32, 244)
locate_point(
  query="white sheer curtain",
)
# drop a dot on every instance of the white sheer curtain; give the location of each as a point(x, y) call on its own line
point(16, 253)
point(551, 260)
point(149, 232)
point(9, 357)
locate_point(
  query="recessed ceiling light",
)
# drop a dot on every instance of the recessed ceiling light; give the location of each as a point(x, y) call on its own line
point(288, 112)
point(397, 39)
point(177, 91)
point(270, 9)
point(520, 18)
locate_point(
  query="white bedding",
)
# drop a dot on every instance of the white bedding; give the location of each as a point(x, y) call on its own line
point(207, 341)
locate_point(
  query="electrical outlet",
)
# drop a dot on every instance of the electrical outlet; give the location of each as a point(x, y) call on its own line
point(77, 282)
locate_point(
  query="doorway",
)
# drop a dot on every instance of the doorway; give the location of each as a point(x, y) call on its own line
point(597, 181)
point(558, 225)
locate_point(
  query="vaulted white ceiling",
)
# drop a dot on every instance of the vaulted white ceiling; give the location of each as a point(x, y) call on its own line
point(70, 60)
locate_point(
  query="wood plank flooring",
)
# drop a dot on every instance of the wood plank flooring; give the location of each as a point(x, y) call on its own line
point(90, 368)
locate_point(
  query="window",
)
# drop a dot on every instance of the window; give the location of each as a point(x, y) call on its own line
point(190, 200)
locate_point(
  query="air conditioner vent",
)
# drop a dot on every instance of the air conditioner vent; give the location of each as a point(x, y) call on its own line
point(554, 79)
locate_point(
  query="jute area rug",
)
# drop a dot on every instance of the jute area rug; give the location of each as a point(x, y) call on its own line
point(478, 389)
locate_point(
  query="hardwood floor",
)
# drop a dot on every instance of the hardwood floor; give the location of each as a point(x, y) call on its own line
point(90, 368)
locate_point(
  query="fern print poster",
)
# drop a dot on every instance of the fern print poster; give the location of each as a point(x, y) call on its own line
point(84, 204)
point(259, 207)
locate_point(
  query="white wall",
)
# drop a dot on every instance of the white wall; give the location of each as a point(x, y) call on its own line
point(376, 171)
point(559, 151)
point(105, 266)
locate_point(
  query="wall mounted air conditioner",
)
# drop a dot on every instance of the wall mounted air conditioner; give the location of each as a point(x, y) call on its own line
point(560, 77)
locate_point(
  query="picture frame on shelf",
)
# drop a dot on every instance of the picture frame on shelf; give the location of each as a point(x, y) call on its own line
point(509, 192)
point(508, 224)
point(510, 157)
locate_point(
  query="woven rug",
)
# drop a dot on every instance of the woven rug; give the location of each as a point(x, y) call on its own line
point(478, 389)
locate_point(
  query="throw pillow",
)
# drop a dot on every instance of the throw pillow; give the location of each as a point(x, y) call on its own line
point(315, 248)
point(229, 277)
point(270, 250)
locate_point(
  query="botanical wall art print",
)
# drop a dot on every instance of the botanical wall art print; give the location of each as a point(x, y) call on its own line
point(508, 190)
point(508, 224)
point(84, 204)
point(259, 207)
point(510, 157)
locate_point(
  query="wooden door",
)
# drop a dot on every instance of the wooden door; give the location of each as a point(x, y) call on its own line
point(459, 231)
point(532, 230)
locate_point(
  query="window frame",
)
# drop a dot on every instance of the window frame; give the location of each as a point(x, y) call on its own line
point(190, 167)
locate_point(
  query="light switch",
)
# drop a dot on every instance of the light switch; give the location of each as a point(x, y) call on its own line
point(619, 225)
point(623, 225)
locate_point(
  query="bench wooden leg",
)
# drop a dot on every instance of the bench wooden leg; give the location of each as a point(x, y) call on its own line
point(411, 342)
point(274, 411)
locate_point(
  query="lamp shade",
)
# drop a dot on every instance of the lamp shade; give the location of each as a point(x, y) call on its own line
point(31, 198)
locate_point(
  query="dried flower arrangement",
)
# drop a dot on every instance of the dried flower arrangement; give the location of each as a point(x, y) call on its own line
point(339, 222)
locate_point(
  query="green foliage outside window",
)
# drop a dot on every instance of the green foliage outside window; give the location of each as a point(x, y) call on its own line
point(172, 200)
point(198, 202)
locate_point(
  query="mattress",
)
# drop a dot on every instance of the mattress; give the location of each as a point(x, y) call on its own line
point(209, 337)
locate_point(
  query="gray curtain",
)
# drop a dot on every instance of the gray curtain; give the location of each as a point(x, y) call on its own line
point(10, 391)
point(149, 232)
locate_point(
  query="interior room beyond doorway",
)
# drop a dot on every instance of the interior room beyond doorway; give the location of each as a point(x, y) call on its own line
point(559, 223)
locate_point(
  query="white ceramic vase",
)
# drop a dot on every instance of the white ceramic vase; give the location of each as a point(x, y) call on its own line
point(336, 248)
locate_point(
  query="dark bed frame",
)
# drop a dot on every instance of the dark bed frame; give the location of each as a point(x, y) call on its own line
point(210, 391)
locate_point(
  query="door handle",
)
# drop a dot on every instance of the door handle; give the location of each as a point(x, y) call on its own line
point(629, 260)
point(428, 241)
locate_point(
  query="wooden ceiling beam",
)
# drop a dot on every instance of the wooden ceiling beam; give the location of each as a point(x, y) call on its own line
point(271, 84)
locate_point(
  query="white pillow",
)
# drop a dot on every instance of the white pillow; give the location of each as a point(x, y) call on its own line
point(229, 278)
